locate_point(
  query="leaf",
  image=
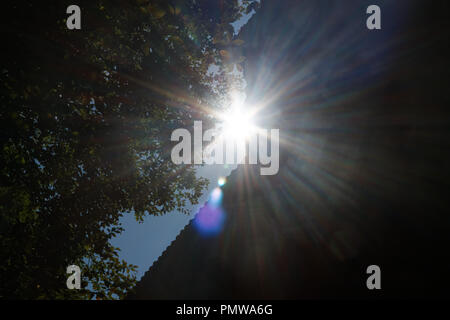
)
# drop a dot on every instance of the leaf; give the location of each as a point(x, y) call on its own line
point(225, 54)
point(177, 39)
point(175, 11)
point(156, 11)
point(147, 49)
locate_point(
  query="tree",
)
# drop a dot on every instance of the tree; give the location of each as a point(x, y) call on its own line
point(86, 119)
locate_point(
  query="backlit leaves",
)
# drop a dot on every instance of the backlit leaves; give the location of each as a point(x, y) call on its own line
point(86, 120)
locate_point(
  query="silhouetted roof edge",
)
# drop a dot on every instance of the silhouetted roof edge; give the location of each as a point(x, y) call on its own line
point(154, 265)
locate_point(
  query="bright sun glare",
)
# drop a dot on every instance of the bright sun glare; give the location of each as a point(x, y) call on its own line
point(237, 122)
point(237, 125)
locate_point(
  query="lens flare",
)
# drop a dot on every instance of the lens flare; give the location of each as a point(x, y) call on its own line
point(237, 125)
point(209, 219)
point(221, 181)
point(216, 197)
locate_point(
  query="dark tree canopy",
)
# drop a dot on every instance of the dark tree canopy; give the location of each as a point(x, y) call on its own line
point(86, 117)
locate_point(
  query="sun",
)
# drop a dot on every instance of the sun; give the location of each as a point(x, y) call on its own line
point(237, 125)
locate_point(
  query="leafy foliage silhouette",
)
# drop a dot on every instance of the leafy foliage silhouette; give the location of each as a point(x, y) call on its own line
point(86, 119)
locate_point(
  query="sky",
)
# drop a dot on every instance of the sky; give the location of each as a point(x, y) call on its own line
point(142, 243)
